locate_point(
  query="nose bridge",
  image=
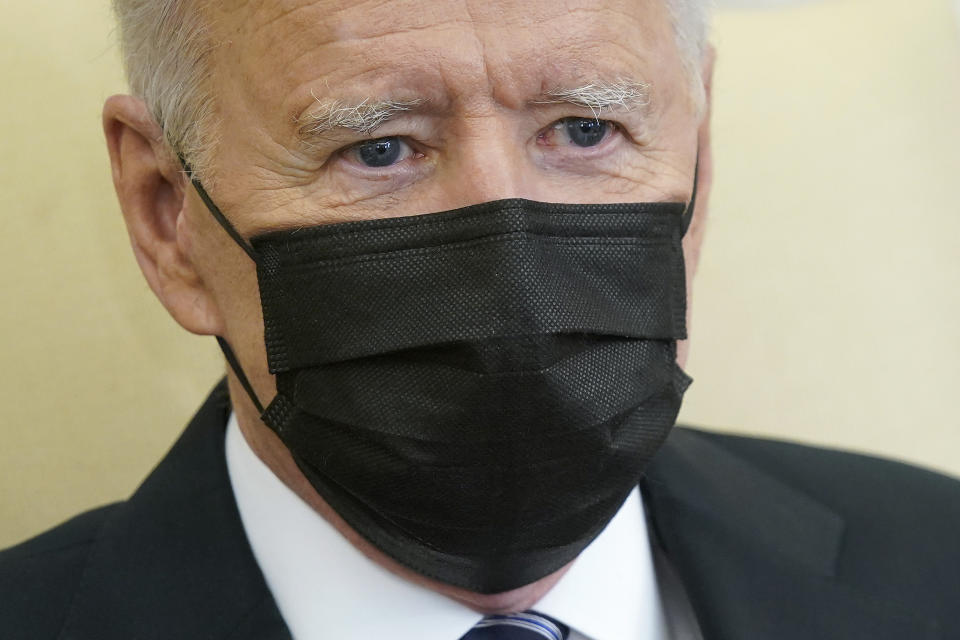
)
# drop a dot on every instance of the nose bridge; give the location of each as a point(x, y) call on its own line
point(488, 160)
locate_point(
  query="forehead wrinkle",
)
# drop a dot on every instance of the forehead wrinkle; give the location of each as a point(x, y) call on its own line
point(284, 10)
point(622, 93)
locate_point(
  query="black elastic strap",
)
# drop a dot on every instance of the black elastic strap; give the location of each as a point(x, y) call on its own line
point(217, 214)
point(232, 231)
point(688, 213)
point(238, 370)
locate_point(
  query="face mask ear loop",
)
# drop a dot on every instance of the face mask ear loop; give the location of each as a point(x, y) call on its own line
point(231, 230)
point(688, 213)
point(215, 210)
point(238, 371)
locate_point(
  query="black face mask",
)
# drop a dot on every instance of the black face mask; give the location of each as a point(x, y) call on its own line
point(476, 392)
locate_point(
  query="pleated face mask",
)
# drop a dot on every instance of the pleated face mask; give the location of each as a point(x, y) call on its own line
point(477, 391)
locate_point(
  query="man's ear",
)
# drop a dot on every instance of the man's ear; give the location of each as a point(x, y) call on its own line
point(150, 186)
point(694, 238)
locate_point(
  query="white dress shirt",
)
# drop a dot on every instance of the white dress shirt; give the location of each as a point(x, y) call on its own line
point(325, 588)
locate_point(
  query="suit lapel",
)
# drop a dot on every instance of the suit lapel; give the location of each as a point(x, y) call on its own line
point(757, 558)
point(173, 561)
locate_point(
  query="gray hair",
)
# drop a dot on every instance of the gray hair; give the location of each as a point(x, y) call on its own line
point(166, 50)
point(166, 55)
point(691, 26)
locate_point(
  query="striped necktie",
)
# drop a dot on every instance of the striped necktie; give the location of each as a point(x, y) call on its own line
point(528, 625)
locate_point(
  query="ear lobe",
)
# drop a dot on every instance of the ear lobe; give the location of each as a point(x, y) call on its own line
point(150, 187)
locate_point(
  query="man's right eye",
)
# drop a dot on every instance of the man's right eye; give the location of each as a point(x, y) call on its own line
point(379, 153)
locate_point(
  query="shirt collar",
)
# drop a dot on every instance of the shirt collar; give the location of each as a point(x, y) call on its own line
point(324, 587)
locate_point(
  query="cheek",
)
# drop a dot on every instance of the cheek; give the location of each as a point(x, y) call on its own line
point(350, 186)
point(225, 270)
point(628, 177)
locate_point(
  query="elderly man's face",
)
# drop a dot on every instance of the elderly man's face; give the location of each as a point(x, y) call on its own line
point(337, 110)
point(484, 100)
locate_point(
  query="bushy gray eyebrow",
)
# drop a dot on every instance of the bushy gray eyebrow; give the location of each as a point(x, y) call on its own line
point(598, 96)
point(363, 117)
point(366, 116)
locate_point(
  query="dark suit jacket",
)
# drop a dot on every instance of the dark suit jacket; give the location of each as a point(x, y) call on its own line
point(772, 541)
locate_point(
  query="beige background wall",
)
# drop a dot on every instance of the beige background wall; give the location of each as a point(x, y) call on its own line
point(826, 308)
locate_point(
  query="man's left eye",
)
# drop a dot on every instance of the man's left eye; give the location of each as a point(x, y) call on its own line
point(577, 132)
